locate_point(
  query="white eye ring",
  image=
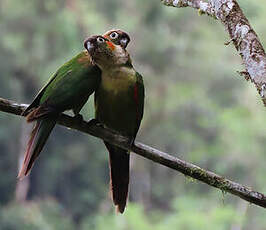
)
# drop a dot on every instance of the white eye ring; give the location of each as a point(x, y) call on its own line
point(114, 35)
point(100, 40)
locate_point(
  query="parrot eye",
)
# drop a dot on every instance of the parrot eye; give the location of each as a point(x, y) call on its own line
point(100, 40)
point(114, 35)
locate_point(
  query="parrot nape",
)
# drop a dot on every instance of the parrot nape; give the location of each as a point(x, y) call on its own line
point(119, 102)
point(68, 89)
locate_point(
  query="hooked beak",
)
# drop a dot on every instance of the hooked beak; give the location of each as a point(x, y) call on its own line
point(124, 42)
point(89, 46)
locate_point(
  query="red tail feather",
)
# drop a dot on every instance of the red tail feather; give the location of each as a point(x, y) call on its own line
point(39, 112)
point(25, 167)
point(38, 138)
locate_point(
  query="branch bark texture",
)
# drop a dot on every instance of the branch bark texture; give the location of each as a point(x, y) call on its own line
point(153, 154)
point(241, 34)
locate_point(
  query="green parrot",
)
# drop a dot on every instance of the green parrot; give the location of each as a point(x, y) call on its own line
point(68, 89)
point(119, 102)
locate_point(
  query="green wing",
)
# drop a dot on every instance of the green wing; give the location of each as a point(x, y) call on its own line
point(36, 100)
point(70, 86)
point(139, 97)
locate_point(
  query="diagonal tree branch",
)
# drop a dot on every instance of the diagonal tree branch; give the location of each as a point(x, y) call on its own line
point(241, 34)
point(153, 154)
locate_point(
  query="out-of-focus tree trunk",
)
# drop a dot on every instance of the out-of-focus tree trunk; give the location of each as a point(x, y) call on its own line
point(242, 208)
point(22, 186)
point(29, 87)
point(140, 182)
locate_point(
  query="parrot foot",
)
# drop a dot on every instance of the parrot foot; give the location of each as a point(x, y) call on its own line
point(95, 122)
point(78, 118)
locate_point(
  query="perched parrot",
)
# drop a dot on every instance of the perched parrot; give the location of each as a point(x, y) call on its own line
point(119, 102)
point(68, 89)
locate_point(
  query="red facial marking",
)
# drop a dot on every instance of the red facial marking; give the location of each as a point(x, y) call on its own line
point(110, 45)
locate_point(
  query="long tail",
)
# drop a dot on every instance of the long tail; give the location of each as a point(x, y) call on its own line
point(119, 175)
point(38, 138)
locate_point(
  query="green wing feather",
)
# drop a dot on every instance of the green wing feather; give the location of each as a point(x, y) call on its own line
point(70, 86)
point(140, 93)
point(36, 100)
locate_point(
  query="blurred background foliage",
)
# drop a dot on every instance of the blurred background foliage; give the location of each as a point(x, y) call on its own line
point(197, 108)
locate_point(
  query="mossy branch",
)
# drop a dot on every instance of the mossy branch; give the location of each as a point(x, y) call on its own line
point(153, 154)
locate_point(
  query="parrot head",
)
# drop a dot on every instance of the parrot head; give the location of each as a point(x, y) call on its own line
point(105, 53)
point(118, 37)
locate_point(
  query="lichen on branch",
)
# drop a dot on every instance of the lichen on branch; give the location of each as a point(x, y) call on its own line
point(241, 34)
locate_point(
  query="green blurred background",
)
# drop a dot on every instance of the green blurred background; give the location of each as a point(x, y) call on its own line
point(197, 108)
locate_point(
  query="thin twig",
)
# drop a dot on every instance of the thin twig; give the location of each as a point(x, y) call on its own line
point(153, 154)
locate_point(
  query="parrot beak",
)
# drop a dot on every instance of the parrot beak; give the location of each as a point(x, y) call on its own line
point(89, 46)
point(124, 42)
